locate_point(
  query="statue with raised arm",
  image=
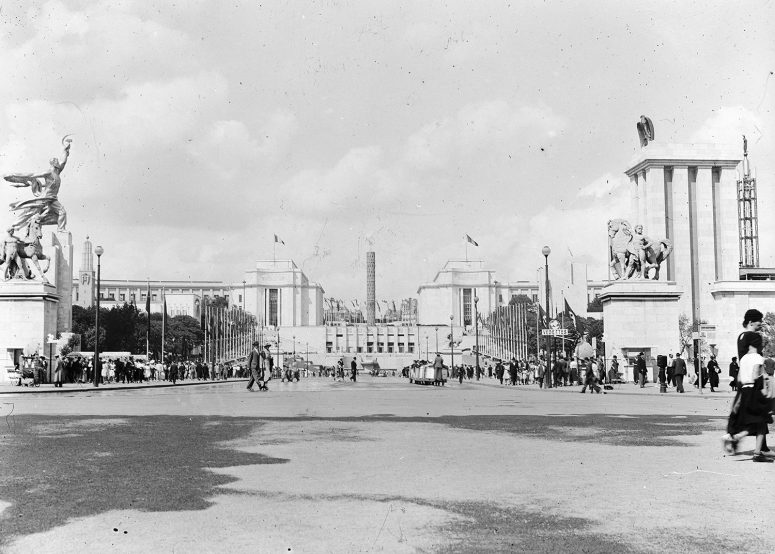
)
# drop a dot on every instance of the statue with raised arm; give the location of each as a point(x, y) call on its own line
point(45, 188)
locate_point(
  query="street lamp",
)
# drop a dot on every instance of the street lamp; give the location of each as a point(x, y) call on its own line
point(278, 348)
point(244, 283)
point(451, 344)
point(547, 373)
point(437, 338)
point(99, 250)
point(476, 332)
point(294, 347)
point(427, 355)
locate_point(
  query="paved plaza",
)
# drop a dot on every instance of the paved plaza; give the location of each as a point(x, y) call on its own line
point(379, 465)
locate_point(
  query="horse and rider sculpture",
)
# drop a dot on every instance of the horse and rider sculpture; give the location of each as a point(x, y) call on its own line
point(15, 253)
point(633, 254)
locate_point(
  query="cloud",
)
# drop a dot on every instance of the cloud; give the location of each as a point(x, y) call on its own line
point(479, 132)
point(228, 147)
point(606, 185)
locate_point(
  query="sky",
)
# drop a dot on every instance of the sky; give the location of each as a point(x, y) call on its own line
point(200, 129)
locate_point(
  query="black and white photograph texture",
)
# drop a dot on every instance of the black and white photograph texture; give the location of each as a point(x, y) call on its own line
point(336, 276)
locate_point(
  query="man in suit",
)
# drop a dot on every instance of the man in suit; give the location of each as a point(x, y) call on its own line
point(353, 370)
point(640, 368)
point(59, 372)
point(679, 372)
point(254, 366)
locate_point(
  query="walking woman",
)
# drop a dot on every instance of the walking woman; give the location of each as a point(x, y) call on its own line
point(750, 412)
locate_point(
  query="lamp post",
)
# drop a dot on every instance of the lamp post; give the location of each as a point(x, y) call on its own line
point(476, 332)
point(244, 283)
point(294, 347)
point(278, 348)
point(99, 250)
point(437, 338)
point(427, 355)
point(451, 344)
point(547, 373)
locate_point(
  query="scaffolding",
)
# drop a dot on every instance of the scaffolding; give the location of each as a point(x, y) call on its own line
point(747, 214)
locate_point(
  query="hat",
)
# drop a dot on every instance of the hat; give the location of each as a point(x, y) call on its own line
point(267, 346)
point(256, 343)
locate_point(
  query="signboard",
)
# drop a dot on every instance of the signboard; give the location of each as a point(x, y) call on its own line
point(554, 332)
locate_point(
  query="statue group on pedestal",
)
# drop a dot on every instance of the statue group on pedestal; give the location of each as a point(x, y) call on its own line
point(31, 215)
point(634, 254)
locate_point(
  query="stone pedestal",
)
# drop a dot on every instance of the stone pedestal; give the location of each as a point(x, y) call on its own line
point(640, 316)
point(28, 314)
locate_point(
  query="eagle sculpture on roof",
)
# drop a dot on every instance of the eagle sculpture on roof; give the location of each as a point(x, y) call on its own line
point(645, 130)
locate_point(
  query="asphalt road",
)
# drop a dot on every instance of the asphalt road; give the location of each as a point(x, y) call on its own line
point(379, 465)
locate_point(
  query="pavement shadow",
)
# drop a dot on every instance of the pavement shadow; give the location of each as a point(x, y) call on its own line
point(58, 468)
point(613, 429)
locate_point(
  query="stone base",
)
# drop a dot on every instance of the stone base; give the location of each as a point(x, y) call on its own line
point(640, 316)
point(28, 314)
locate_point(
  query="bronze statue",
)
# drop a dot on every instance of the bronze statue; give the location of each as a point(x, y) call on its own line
point(15, 251)
point(645, 130)
point(634, 254)
point(47, 207)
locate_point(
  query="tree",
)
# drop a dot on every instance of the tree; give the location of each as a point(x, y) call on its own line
point(768, 334)
point(596, 306)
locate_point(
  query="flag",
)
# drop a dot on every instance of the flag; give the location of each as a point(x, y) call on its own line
point(472, 241)
point(570, 312)
point(541, 314)
point(148, 310)
point(278, 239)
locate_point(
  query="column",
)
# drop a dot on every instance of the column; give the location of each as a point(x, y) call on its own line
point(63, 241)
point(728, 247)
point(681, 241)
point(706, 240)
point(634, 199)
point(655, 222)
point(643, 194)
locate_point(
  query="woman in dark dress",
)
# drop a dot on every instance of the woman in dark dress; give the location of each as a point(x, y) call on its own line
point(750, 409)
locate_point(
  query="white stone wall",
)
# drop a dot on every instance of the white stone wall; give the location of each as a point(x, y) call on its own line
point(641, 315)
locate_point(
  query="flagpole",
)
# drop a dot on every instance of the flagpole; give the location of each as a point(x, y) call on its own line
point(163, 323)
point(148, 327)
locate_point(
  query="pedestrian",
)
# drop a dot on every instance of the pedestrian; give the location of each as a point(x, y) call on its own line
point(59, 371)
point(460, 373)
point(640, 367)
point(254, 366)
point(733, 369)
point(353, 371)
point(670, 370)
point(679, 372)
point(174, 372)
point(613, 373)
point(590, 377)
point(750, 409)
point(713, 371)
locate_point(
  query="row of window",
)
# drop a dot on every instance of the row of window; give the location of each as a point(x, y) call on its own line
point(370, 348)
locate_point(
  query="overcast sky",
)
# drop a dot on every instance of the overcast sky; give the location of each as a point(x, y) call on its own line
point(201, 129)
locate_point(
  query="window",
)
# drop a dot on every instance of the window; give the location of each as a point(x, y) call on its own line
point(122, 297)
point(411, 347)
point(401, 348)
point(467, 307)
point(240, 298)
point(274, 298)
point(360, 349)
